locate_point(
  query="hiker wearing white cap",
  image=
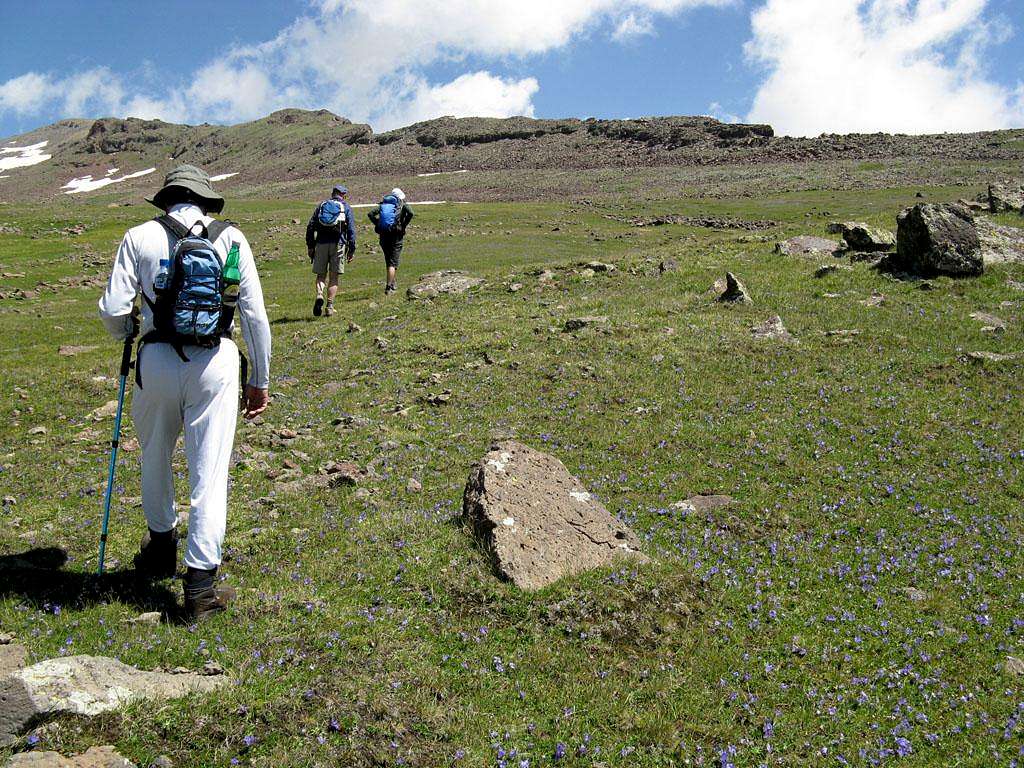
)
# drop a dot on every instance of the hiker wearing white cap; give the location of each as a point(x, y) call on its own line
point(330, 235)
point(390, 220)
point(192, 272)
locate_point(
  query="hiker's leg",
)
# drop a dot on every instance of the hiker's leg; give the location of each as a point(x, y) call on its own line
point(211, 411)
point(391, 275)
point(332, 287)
point(157, 414)
point(319, 282)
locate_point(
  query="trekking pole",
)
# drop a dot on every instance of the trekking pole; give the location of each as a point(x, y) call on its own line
point(126, 362)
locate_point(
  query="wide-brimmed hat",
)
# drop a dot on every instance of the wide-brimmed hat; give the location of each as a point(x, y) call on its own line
point(196, 180)
point(398, 193)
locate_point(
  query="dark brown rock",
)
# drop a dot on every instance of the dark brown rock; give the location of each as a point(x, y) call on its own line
point(735, 291)
point(939, 239)
point(537, 521)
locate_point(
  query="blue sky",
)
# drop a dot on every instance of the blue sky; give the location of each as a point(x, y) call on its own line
point(806, 66)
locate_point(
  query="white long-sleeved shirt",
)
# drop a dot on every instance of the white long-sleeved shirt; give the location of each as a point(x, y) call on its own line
point(136, 267)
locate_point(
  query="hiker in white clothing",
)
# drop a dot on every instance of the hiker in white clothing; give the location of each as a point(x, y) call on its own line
point(187, 369)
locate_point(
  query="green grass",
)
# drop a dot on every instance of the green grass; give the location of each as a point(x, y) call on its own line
point(370, 630)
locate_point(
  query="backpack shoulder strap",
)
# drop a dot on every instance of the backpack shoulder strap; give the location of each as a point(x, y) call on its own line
point(174, 226)
point(217, 228)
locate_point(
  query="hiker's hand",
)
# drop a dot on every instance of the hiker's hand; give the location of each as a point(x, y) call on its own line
point(256, 401)
point(350, 253)
point(135, 319)
point(309, 252)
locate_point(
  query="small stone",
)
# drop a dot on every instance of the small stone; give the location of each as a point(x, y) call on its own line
point(914, 594)
point(990, 321)
point(211, 668)
point(1014, 665)
point(152, 618)
point(163, 761)
point(296, 221)
point(37, 431)
point(874, 300)
point(70, 350)
point(106, 411)
point(381, 342)
point(353, 328)
point(515, 287)
point(344, 473)
point(668, 265)
point(579, 323)
point(414, 485)
point(990, 357)
point(772, 328)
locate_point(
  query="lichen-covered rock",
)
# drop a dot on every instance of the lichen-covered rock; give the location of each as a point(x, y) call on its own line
point(537, 521)
point(772, 328)
point(447, 281)
point(939, 239)
point(806, 245)
point(865, 238)
point(94, 757)
point(735, 291)
point(1003, 198)
point(85, 685)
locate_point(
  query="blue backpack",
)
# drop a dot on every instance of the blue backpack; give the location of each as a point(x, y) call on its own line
point(388, 219)
point(189, 306)
point(330, 213)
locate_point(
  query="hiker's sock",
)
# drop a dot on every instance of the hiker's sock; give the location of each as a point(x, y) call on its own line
point(198, 581)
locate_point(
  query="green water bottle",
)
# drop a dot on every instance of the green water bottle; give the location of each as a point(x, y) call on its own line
point(232, 277)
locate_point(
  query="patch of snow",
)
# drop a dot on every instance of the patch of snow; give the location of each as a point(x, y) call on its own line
point(441, 173)
point(222, 176)
point(112, 171)
point(580, 495)
point(21, 157)
point(88, 184)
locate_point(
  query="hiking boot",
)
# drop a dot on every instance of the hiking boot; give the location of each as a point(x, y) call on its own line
point(203, 596)
point(157, 557)
point(389, 289)
point(329, 311)
point(318, 307)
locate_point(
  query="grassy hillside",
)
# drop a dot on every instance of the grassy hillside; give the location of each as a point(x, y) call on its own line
point(856, 605)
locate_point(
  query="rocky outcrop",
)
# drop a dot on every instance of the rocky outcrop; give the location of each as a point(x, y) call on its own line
point(772, 328)
point(86, 685)
point(939, 239)
point(447, 281)
point(537, 522)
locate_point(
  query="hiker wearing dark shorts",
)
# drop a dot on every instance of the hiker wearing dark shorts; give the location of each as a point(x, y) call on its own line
point(390, 220)
point(330, 243)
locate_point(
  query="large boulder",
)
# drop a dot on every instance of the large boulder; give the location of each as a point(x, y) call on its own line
point(1004, 198)
point(448, 281)
point(939, 239)
point(537, 521)
point(85, 685)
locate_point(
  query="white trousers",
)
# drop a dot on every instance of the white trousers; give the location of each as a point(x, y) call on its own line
point(201, 396)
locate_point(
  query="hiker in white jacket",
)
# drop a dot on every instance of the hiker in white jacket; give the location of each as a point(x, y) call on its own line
point(187, 386)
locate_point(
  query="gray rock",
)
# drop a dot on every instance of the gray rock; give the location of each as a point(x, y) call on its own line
point(915, 595)
point(772, 328)
point(1006, 198)
point(989, 321)
point(734, 291)
point(668, 265)
point(414, 485)
point(1000, 244)
point(537, 521)
point(865, 238)
point(579, 323)
point(990, 357)
point(600, 266)
point(94, 757)
point(806, 245)
point(939, 239)
point(447, 281)
point(12, 658)
point(85, 685)
point(1014, 665)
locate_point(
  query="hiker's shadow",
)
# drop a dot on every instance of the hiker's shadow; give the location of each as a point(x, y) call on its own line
point(37, 576)
point(291, 320)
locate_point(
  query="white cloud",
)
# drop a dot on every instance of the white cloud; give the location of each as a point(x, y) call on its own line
point(480, 94)
point(633, 26)
point(366, 59)
point(901, 66)
point(25, 94)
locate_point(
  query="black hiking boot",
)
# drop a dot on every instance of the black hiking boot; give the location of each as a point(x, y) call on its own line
point(203, 597)
point(157, 557)
point(318, 307)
